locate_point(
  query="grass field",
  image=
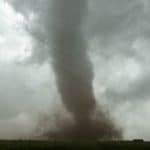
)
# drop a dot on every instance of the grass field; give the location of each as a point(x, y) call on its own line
point(67, 145)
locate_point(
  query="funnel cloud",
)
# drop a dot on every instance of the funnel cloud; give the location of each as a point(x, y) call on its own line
point(59, 32)
point(74, 74)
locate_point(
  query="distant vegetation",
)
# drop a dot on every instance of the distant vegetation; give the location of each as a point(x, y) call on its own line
point(68, 145)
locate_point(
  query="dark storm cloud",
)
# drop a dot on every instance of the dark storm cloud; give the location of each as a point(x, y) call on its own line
point(112, 28)
point(73, 69)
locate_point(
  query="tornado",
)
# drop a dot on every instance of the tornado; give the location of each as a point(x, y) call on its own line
point(74, 74)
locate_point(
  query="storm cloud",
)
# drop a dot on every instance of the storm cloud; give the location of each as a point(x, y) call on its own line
point(117, 37)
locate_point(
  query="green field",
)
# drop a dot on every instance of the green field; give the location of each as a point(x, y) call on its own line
point(68, 145)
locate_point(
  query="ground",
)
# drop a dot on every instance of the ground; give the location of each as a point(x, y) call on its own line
point(73, 145)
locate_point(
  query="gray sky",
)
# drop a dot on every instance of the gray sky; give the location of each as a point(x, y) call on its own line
point(118, 36)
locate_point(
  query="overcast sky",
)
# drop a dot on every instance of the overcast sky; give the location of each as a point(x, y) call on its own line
point(118, 35)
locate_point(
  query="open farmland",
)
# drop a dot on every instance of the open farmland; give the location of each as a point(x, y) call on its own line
point(68, 145)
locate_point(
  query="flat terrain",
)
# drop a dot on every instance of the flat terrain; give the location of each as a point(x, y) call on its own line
point(68, 145)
